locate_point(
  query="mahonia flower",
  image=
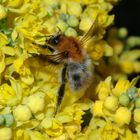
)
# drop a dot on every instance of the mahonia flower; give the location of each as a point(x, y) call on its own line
point(28, 87)
point(124, 61)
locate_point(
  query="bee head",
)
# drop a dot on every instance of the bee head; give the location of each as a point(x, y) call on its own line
point(54, 40)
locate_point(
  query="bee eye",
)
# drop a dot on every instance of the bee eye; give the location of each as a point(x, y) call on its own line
point(76, 77)
point(55, 40)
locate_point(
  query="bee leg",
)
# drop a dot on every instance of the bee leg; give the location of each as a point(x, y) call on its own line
point(45, 47)
point(62, 88)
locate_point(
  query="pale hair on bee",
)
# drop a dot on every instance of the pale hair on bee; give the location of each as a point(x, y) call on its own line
point(69, 50)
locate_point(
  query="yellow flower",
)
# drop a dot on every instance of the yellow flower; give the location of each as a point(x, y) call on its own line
point(128, 61)
point(14, 3)
point(64, 117)
point(5, 133)
point(129, 136)
point(72, 129)
point(3, 39)
point(121, 87)
point(104, 88)
point(31, 96)
point(36, 135)
point(109, 132)
point(95, 134)
point(138, 130)
point(120, 118)
point(3, 12)
point(98, 50)
point(104, 19)
point(7, 95)
point(29, 26)
point(36, 102)
point(74, 9)
point(21, 134)
point(98, 108)
point(136, 115)
point(127, 66)
point(22, 113)
point(55, 130)
point(85, 24)
point(111, 103)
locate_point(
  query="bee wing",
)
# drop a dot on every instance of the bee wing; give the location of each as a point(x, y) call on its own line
point(53, 59)
point(91, 32)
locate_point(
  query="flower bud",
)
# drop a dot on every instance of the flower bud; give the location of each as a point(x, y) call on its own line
point(111, 103)
point(36, 102)
point(22, 113)
point(62, 25)
point(70, 32)
point(137, 115)
point(85, 24)
point(9, 120)
point(122, 32)
point(98, 108)
point(137, 103)
point(124, 99)
point(5, 133)
point(122, 116)
point(73, 21)
point(74, 9)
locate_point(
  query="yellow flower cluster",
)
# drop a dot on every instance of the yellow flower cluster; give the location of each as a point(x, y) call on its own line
point(116, 111)
point(126, 54)
point(28, 87)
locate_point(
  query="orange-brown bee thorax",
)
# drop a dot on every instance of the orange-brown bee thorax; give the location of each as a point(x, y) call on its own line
point(72, 46)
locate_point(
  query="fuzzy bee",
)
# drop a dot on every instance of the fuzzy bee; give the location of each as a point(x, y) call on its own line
point(77, 66)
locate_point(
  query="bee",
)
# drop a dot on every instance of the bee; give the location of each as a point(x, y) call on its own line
point(77, 65)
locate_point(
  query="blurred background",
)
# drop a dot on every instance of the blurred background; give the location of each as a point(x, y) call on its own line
point(128, 15)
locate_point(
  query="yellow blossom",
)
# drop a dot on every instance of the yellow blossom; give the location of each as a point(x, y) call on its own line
point(74, 9)
point(104, 88)
point(109, 127)
point(3, 39)
point(14, 3)
point(24, 70)
point(136, 115)
point(5, 133)
point(56, 129)
point(121, 86)
point(85, 23)
point(29, 87)
point(7, 95)
point(120, 118)
point(129, 136)
point(98, 108)
point(3, 12)
point(36, 102)
point(21, 134)
point(98, 50)
point(111, 103)
point(127, 66)
point(95, 134)
point(22, 113)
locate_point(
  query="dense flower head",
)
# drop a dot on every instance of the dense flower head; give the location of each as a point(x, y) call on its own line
point(29, 87)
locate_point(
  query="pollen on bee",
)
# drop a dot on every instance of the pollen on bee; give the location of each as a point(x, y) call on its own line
point(72, 46)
